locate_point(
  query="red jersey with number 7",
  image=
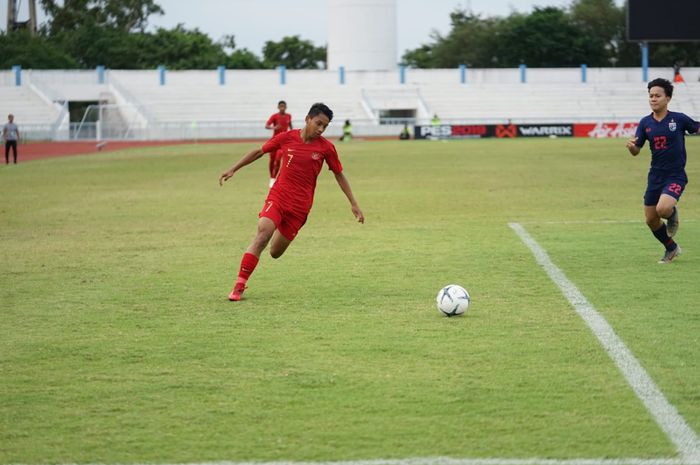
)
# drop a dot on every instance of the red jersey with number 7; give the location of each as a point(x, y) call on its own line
point(282, 121)
point(301, 165)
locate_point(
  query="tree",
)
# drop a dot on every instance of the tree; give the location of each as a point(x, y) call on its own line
point(124, 15)
point(29, 51)
point(472, 41)
point(421, 57)
point(179, 48)
point(239, 58)
point(592, 32)
point(92, 45)
point(545, 37)
point(243, 59)
point(605, 26)
point(548, 37)
point(293, 53)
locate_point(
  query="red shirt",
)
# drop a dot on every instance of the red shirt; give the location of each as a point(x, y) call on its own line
point(281, 120)
point(301, 165)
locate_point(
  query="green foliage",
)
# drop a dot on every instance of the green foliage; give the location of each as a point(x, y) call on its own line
point(589, 31)
point(463, 45)
point(87, 33)
point(93, 45)
point(117, 343)
point(243, 59)
point(294, 53)
point(422, 57)
point(179, 48)
point(29, 51)
point(545, 38)
point(123, 15)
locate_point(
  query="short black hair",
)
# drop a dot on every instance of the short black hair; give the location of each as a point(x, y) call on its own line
point(281, 102)
point(665, 84)
point(318, 108)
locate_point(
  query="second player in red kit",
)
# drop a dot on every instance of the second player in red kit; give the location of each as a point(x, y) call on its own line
point(290, 199)
point(279, 122)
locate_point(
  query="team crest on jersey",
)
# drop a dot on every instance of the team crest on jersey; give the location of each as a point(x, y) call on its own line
point(316, 156)
point(672, 125)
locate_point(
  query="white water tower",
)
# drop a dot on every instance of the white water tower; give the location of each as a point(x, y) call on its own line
point(362, 34)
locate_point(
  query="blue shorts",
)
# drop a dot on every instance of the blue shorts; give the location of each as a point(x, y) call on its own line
point(671, 184)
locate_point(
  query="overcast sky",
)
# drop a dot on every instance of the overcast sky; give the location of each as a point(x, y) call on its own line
point(253, 21)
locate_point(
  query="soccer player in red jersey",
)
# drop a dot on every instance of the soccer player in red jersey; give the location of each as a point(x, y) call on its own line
point(279, 122)
point(289, 201)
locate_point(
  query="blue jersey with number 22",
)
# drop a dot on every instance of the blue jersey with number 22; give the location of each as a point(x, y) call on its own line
point(666, 140)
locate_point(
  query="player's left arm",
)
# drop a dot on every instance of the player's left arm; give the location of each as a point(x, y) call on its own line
point(347, 190)
point(693, 127)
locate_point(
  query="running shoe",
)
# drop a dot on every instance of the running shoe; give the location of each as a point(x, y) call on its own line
point(670, 255)
point(237, 292)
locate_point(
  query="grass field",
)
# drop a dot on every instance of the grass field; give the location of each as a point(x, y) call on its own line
point(117, 343)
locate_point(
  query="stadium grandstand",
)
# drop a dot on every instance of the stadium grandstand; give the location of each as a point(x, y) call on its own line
point(165, 105)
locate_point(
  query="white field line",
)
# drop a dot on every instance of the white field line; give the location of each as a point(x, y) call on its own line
point(454, 461)
point(671, 422)
point(565, 222)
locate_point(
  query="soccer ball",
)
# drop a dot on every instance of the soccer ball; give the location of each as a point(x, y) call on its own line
point(453, 300)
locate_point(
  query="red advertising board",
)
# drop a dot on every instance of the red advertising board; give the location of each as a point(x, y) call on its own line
point(477, 130)
point(599, 130)
point(510, 130)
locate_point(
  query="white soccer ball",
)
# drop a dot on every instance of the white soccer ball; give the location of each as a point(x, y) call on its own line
point(453, 300)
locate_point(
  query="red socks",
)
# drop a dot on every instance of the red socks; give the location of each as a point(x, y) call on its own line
point(248, 264)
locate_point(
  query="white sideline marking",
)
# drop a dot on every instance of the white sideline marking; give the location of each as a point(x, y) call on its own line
point(671, 422)
point(452, 461)
point(587, 222)
point(565, 222)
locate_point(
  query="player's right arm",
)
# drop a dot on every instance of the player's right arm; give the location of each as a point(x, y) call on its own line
point(269, 147)
point(633, 147)
point(247, 159)
point(635, 144)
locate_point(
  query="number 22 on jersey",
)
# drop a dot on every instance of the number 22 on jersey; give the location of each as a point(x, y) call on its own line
point(660, 142)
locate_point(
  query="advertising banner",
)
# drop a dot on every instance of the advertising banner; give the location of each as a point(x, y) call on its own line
point(505, 130)
point(472, 130)
point(462, 131)
point(443, 131)
point(598, 130)
point(545, 130)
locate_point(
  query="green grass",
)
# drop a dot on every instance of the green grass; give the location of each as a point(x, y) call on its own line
point(117, 343)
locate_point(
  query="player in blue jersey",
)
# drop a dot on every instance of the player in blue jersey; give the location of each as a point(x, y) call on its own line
point(665, 130)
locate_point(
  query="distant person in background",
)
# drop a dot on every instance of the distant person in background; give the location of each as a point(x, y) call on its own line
point(10, 133)
point(436, 120)
point(279, 122)
point(405, 133)
point(677, 76)
point(665, 130)
point(347, 132)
